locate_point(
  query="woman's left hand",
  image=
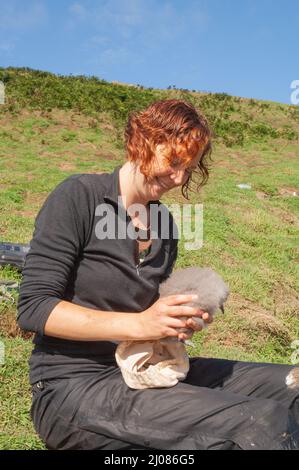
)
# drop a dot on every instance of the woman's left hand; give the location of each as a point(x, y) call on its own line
point(206, 317)
point(194, 326)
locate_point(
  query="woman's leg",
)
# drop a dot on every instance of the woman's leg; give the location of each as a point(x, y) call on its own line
point(59, 432)
point(92, 413)
point(278, 382)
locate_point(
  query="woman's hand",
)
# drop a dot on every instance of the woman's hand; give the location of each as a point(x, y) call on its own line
point(194, 326)
point(164, 318)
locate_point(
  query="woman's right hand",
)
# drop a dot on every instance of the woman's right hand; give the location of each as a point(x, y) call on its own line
point(162, 319)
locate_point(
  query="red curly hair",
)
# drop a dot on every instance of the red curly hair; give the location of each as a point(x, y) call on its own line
point(176, 123)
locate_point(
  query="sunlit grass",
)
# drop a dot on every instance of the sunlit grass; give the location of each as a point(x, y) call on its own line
point(250, 236)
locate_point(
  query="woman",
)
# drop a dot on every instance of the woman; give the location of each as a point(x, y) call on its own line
point(84, 291)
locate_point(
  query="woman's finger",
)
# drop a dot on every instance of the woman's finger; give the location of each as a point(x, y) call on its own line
point(185, 336)
point(207, 317)
point(179, 299)
point(177, 323)
point(182, 310)
point(194, 325)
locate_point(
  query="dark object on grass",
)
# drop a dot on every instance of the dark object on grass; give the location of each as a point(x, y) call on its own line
point(13, 254)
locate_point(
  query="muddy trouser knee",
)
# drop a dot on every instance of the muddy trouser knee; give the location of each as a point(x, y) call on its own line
point(221, 405)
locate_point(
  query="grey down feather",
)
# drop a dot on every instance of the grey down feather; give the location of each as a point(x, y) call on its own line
point(210, 288)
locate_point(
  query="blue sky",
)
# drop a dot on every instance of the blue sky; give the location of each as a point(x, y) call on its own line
point(246, 48)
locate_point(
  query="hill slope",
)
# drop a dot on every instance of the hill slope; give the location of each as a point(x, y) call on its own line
point(53, 126)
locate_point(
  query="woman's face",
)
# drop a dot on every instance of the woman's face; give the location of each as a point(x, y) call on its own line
point(165, 176)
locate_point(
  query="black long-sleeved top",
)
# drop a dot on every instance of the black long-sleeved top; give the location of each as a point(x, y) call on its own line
point(68, 261)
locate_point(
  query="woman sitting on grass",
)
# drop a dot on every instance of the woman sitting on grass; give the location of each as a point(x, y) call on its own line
point(83, 291)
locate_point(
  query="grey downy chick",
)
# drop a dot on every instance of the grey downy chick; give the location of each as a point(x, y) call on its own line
point(210, 288)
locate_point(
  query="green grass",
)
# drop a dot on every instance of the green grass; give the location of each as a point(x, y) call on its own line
point(16, 429)
point(48, 132)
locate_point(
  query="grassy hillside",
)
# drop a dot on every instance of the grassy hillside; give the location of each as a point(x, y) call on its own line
point(53, 126)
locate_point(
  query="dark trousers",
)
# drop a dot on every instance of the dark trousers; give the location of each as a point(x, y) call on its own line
point(221, 404)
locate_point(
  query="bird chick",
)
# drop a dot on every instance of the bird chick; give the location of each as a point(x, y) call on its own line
point(210, 288)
